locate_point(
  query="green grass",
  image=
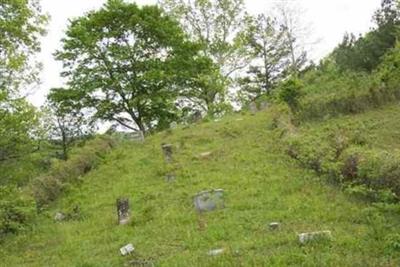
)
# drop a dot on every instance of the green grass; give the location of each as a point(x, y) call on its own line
point(262, 185)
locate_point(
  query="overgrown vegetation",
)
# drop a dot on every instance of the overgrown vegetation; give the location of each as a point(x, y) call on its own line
point(19, 206)
point(147, 68)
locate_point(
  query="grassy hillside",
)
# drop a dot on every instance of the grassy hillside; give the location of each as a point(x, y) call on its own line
point(262, 185)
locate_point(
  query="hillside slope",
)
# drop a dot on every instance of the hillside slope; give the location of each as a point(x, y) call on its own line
point(261, 184)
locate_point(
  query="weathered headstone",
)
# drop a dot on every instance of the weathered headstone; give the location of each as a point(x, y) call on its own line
point(204, 155)
point(196, 117)
point(167, 150)
point(263, 105)
point(59, 217)
point(253, 107)
point(313, 236)
point(137, 136)
point(209, 200)
point(215, 252)
point(127, 249)
point(123, 210)
point(173, 125)
point(170, 177)
point(274, 226)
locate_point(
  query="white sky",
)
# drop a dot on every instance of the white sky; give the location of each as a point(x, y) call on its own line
point(330, 19)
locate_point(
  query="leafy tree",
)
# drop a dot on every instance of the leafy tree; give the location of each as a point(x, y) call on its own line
point(128, 65)
point(295, 34)
point(220, 26)
point(18, 122)
point(290, 92)
point(21, 25)
point(268, 44)
point(365, 53)
point(66, 124)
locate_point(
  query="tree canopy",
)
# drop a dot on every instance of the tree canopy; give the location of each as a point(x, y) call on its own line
point(129, 64)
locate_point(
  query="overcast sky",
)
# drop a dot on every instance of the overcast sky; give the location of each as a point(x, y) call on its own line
point(330, 19)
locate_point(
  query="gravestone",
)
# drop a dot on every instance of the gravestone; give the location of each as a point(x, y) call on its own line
point(59, 217)
point(127, 249)
point(215, 252)
point(314, 236)
point(209, 200)
point(170, 177)
point(137, 136)
point(196, 117)
point(123, 211)
point(263, 105)
point(274, 226)
point(167, 150)
point(173, 125)
point(253, 107)
point(205, 155)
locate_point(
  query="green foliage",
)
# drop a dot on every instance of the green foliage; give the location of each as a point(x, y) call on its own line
point(19, 123)
point(365, 53)
point(21, 25)
point(127, 64)
point(261, 185)
point(47, 188)
point(67, 125)
point(290, 92)
point(220, 26)
point(267, 42)
point(16, 210)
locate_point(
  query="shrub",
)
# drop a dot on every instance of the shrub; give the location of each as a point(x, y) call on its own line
point(48, 187)
point(16, 210)
point(290, 92)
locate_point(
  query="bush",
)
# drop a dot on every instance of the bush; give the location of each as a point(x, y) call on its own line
point(366, 172)
point(48, 187)
point(16, 210)
point(290, 92)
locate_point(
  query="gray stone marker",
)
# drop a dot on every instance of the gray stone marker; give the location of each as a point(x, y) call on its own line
point(138, 136)
point(209, 200)
point(274, 226)
point(123, 211)
point(196, 117)
point(205, 155)
point(253, 107)
point(59, 217)
point(127, 249)
point(215, 252)
point(167, 150)
point(173, 125)
point(170, 177)
point(313, 236)
point(264, 105)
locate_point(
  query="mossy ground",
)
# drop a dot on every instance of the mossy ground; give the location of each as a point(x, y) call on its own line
point(261, 184)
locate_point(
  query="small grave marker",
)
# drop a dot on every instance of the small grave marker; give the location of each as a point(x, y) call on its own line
point(209, 200)
point(138, 136)
point(313, 236)
point(170, 177)
point(216, 252)
point(167, 150)
point(263, 105)
point(127, 249)
point(253, 107)
point(59, 217)
point(274, 226)
point(123, 211)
